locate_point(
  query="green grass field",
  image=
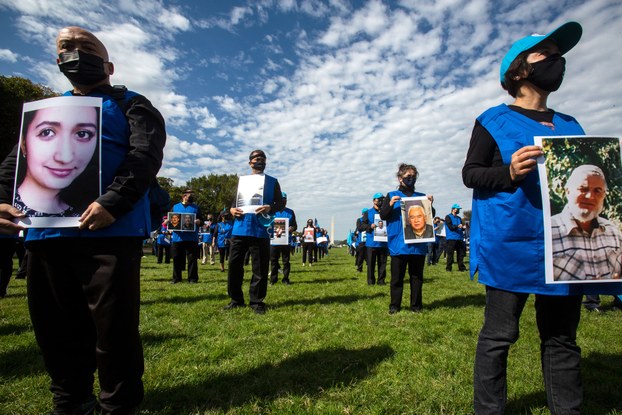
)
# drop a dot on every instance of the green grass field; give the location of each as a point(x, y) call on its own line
point(327, 345)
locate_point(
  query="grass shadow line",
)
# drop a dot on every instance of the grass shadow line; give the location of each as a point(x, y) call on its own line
point(336, 299)
point(458, 301)
point(307, 374)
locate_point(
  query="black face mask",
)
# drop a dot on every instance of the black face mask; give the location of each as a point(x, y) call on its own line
point(259, 165)
point(548, 73)
point(82, 68)
point(409, 182)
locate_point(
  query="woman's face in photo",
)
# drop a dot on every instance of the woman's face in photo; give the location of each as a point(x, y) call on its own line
point(59, 144)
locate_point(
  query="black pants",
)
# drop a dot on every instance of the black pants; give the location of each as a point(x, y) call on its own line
point(84, 298)
point(557, 318)
point(458, 246)
point(180, 251)
point(223, 253)
point(276, 252)
point(260, 258)
point(361, 256)
point(7, 249)
point(307, 252)
point(379, 256)
point(415, 265)
point(164, 251)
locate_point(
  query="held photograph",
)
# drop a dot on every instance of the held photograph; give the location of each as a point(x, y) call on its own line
point(250, 192)
point(417, 220)
point(181, 222)
point(58, 161)
point(280, 233)
point(581, 179)
point(380, 230)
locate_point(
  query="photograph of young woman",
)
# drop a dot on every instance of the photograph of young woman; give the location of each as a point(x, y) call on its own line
point(58, 163)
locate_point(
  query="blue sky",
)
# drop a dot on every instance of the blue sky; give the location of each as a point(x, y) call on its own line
point(337, 93)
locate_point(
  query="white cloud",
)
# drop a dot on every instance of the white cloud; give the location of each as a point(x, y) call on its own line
point(8, 55)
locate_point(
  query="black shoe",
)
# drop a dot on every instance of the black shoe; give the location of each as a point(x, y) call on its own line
point(416, 309)
point(233, 305)
point(448, 269)
point(381, 283)
point(394, 310)
point(593, 308)
point(87, 408)
point(193, 281)
point(259, 308)
point(175, 281)
point(286, 282)
point(273, 282)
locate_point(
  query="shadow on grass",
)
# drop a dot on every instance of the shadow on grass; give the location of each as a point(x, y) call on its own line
point(307, 374)
point(336, 299)
point(601, 388)
point(602, 383)
point(183, 300)
point(21, 363)
point(14, 329)
point(322, 280)
point(460, 301)
point(151, 339)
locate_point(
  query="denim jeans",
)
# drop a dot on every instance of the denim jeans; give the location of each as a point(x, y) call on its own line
point(557, 319)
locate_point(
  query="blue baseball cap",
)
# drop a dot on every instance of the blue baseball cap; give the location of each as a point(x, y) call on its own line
point(455, 206)
point(378, 196)
point(284, 195)
point(364, 210)
point(566, 37)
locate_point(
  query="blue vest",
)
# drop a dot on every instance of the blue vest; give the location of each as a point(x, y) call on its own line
point(395, 230)
point(457, 235)
point(507, 228)
point(224, 233)
point(162, 238)
point(115, 145)
point(248, 225)
point(371, 213)
point(186, 236)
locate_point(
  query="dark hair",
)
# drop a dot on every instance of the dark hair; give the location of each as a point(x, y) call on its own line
point(403, 168)
point(80, 193)
point(517, 69)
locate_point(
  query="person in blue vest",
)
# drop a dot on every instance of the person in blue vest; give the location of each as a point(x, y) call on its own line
point(361, 241)
point(377, 251)
point(403, 255)
point(185, 244)
point(308, 242)
point(222, 236)
point(84, 282)
point(507, 227)
point(283, 251)
point(455, 238)
point(249, 234)
point(163, 241)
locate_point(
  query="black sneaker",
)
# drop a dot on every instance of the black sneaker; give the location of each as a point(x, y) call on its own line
point(233, 305)
point(394, 310)
point(259, 308)
point(87, 408)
